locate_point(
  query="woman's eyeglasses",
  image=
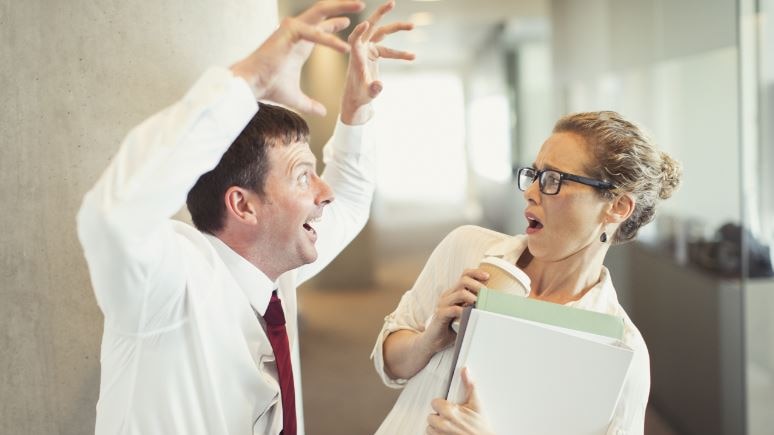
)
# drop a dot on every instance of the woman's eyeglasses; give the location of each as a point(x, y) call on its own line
point(550, 181)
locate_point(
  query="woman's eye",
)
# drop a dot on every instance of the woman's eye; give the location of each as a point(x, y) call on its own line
point(304, 179)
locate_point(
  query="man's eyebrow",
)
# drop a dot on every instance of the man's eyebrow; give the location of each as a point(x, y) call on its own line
point(303, 162)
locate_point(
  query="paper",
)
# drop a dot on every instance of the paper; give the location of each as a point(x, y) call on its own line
point(539, 379)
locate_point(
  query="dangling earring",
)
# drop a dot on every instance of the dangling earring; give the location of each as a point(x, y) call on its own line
point(603, 237)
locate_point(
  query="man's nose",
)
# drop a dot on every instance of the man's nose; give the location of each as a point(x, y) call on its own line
point(324, 192)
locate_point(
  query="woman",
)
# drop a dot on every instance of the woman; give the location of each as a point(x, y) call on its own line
point(595, 182)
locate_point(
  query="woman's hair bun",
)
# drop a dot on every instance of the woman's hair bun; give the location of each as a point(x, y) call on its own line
point(671, 171)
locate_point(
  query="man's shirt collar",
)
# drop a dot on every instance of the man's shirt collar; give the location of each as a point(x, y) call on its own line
point(254, 283)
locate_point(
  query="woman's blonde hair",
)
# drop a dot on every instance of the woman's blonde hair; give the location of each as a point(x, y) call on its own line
point(626, 157)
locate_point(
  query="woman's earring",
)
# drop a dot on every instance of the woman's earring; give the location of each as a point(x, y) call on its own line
point(603, 237)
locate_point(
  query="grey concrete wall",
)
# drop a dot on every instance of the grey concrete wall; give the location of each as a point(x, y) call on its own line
point(75, 76)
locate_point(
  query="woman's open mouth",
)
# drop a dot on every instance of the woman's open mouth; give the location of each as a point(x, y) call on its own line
point(533, 225)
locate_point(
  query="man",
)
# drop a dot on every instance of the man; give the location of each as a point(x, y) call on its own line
point(194, 338)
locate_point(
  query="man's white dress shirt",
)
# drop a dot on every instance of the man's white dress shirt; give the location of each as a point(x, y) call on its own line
point(183, 351)
point(462, 249)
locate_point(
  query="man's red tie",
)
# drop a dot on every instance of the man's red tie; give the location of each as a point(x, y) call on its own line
point(278, 337)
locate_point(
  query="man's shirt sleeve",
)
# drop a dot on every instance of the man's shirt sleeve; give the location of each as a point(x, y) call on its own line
point(350, 171)
point(124, 221)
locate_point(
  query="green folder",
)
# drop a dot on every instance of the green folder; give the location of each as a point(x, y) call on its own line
point(550, 313)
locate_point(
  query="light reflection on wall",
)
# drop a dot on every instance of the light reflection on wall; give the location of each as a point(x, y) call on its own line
point(490, 137)
point(419, 132)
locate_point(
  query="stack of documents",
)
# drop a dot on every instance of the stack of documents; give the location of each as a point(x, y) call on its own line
point(540, 368)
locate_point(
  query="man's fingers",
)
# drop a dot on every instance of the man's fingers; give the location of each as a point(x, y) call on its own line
point(389, 29)
point(330, 8)
point(380, 12)
point(391, 53)
point(471, 402)
point(307, 105)
point(316, 108)
point(318, 36)
point(358, 31)
point(333, 25)
point(375, 88)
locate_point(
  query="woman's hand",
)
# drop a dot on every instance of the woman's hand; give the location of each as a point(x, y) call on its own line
point(363, 84)
point(438, 335)
point(465, 419)
point(407, 352)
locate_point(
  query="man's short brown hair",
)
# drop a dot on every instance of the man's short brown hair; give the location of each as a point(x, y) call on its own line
point(245, 164)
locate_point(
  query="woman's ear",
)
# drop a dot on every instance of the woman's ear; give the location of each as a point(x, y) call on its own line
point(621, 208)
point(240, 205)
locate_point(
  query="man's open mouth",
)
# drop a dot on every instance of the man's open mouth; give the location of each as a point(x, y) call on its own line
point(308, 224)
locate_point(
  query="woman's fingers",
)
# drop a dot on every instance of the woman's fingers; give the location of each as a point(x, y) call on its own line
point(471, 402)
point(460, 294)
point(460, 297)
point(466, 289)
point(471, 284)
point(477, 274)
point(447, 314)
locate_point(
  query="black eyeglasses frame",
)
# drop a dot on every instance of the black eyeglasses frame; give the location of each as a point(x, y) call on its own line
point(598, 184)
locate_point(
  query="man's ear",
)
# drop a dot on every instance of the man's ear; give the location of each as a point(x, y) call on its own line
point(241, 205)
point(621, 208)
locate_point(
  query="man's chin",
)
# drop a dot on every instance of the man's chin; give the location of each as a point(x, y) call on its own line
point(310, 256)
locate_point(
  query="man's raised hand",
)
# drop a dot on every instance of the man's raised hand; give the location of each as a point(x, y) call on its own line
point(363, 84)
point(274, 69)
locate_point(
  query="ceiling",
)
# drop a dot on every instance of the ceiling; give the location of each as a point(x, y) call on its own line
point(458, 28)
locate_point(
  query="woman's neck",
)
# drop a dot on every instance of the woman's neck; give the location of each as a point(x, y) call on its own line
point(564, 280)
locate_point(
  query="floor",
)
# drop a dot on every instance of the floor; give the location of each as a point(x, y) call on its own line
point(342, 393)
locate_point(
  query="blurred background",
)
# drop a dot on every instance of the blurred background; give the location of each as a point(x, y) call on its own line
point(490, 79)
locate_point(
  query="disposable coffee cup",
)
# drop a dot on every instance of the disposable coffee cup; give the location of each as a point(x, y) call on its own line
point(504, 277)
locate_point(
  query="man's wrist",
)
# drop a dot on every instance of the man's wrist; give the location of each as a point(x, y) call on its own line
point(356, 115)
point(251, 75)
